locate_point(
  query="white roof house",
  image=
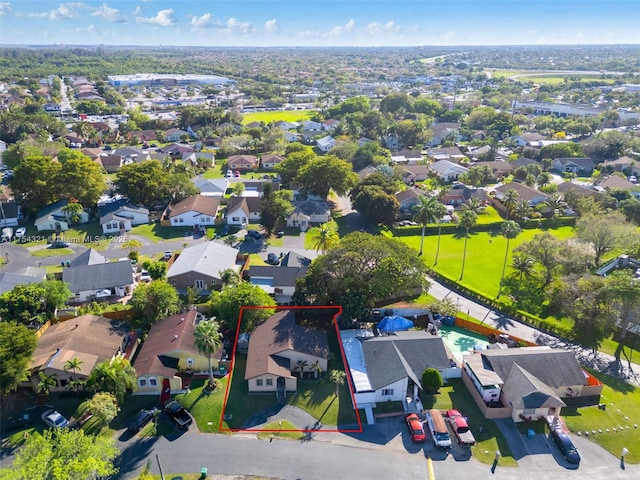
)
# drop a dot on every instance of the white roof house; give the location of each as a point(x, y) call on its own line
point(447, 170)
point(326, 143)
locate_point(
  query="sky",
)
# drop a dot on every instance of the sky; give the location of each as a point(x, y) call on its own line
point(366, 23)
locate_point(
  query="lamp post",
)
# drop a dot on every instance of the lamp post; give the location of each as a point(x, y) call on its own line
point(622, 455)
point(495, 461)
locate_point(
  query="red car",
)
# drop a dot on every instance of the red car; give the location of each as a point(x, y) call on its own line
point(415, 428)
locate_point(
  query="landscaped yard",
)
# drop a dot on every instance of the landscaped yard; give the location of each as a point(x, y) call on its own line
point(157, 233)
point(284, 115)
point(206, 408)
point(622, 413)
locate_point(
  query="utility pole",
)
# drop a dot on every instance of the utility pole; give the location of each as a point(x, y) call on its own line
point(160, 467)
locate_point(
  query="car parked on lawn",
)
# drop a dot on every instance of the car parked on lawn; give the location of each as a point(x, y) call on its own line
point(54, 419)
point(139, 420)
point(566, 446)
point(272, 259)
point(416, 430)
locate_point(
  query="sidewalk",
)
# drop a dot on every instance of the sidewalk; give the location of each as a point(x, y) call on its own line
point(602, 362)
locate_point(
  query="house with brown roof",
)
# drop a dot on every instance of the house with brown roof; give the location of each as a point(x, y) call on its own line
point(278, 348)
point(168, 351)
point(408, 199)
point(90, 338)
point(415, 173)
point(531, 195)
point(243, 210)
point(197, 210)
point(271, 160)
point(615, 181)
point(242, 162)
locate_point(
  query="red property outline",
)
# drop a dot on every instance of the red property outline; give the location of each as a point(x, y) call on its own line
point(344, 361)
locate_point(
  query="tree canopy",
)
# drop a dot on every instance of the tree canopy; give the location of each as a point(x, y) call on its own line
point(360, 271)
point(322, 174)
point(17, 344)
point(34, 301)
point(227, 303)
point(153, 301)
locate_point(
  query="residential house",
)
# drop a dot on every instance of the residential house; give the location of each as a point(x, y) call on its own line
point(293, 259)
point(119, 216)
point(177, 150)
point(330, 124)
point(530, 194)
point(255, 188)
point(408, 199)
point(198, 159)
point(308, 136)
point(529, 139)
point(390, 367)
point(99, 280)
point(526, 383)
point(169, 352)
point(277, 348)
point(392, 142)
point(485, 152)
point(73, 141)
point(175, 134)
point(363, 140)
point(609, 183)
point(441, 131)
point(366, 171)
point(195, 211)
point(409, 157)
point(271, 160)
point(243, 162)
point(447, 171)
point(10, 212)
point(564, 187)
point(414, 173)
point(277, 281)
point(286, 126)
point(201, 266)
point(52, 218)
point(624, 164)
point(498, 169)
point(308, 212)
point(23, 276)
point(93, 153)
point(131, 155)
point(212, 187)
point(243, 210)
point(254, 125)
point(144, 135)
point(89, 338)
point(88, 257)
point(524, 162)
point(326, 143)
point(293, 136)
point(110, 163)
point(446, 153)
point(579, 166)
point(311, 125)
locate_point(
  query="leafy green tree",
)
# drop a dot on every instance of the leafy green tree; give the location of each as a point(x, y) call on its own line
point(208, 340)
point(395, 102)
point(115, 376)
point(34, 183)
point(605, 232)
point(631, 210)
point(324, 237)
point(466, 221)
point(83, 180)
point(546, 250)
point(295, 161)
point(370, 153)
point(17, 344)
point(376, 206)
point(157, 270)
point(337, 377)
point(429, 210)
point(561, 150)
point(153, 301)
point(359, 271)
point(625, 299)
point(46, 383)
point(508, 230)
point(141, 183)
point(103, 406)
point(230, 277)
point(431, 380)
point(34, 301)
point(63, 454)
point(274, 208)
point(322, 174)
point(227, 303)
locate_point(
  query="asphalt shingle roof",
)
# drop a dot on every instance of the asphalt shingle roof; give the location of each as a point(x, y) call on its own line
point(98, 276)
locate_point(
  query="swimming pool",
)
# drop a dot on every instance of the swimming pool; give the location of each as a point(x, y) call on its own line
point(460, 341)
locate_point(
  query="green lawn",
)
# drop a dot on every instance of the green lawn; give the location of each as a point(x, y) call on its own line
point(455, 395)
point(318, 397)
point(622, 413)
point(282, 427)
point(489, 215)
point(156, 233)
point(284, 115)
point(51, 252)
point(215, 172)
point(206, 408)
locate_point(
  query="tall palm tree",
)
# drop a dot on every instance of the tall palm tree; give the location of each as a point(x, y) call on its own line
point(474, 204)
point(337, 377)
point(508, 230)
point(509, 201)
point(73, 365)
point(429, 210)
point(46, 383)
point(522, 209)
point(73, 210)
point(324, 237)
point(116, 376)
point(523, 266)
point(554, 203)
point(229, 278)
point(467, 221)
point(207, 339)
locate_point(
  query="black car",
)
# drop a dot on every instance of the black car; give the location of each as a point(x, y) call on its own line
point(566, 446)
point(272, 259)
point(19, 422)
point(58, 244)
point(139, 420)
point(254, 234)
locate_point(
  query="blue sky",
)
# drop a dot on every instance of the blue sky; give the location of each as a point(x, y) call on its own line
point(319, 23)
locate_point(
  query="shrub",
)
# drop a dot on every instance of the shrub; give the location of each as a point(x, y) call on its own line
point(431, 380)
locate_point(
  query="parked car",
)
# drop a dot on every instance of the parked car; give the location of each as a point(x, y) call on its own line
point(21, 232)
point(236, 174)
point(566, 446)
point(254, 234)
point(54, 419)
point(460, 428)
point(279, 234)
point(167, 255)
point(229, 174)
point(272, 259)
point(178, 415)
point(416, 430)
point(57, 243)
point(139, 420)
point(145, 276)
point(19, 422)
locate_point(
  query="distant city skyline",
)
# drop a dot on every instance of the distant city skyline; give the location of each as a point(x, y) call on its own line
point(314, 23)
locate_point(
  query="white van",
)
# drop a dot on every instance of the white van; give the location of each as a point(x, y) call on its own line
point(438, 429)
point(7, 234)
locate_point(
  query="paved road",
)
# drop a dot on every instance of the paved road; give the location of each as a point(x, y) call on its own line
point(601, 361)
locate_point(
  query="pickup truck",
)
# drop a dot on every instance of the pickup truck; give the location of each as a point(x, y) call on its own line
point(178, 415)
point(460, 428)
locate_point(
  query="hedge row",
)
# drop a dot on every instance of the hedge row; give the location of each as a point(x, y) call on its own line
point(448, 229)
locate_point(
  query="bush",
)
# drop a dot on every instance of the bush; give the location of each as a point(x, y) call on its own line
point(431, 380)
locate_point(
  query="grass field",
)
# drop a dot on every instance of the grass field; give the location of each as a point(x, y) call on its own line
point(552, 78)
point(284, 115)
point(206, 408)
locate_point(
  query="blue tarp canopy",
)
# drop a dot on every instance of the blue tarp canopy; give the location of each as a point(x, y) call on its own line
point(394, 323)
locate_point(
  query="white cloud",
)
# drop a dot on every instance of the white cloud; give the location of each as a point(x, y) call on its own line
point(271, 26)
point(5, 9)
point(205, 21)
point(450, 35)
point(164, 18)
point(109, 14)
point(340, 29)
point(65, 11)
point(235, 26)
point(377, 28)
point(137, 11)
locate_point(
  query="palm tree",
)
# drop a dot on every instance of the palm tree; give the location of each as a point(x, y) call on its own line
point(337, 377)
point(523, 268)
point(73, 365)
point(509, 201)
point(301, 365)
point(116, 376)
point(554, 203)
point(467, 221)
point(324, 237)
point(522, 209)
point(73, 210)
point(229, 278)
point(315, 366)
point(46, 383)
point(474, 204)
point(508, 230)
point(429, 210)
point(207, 339)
